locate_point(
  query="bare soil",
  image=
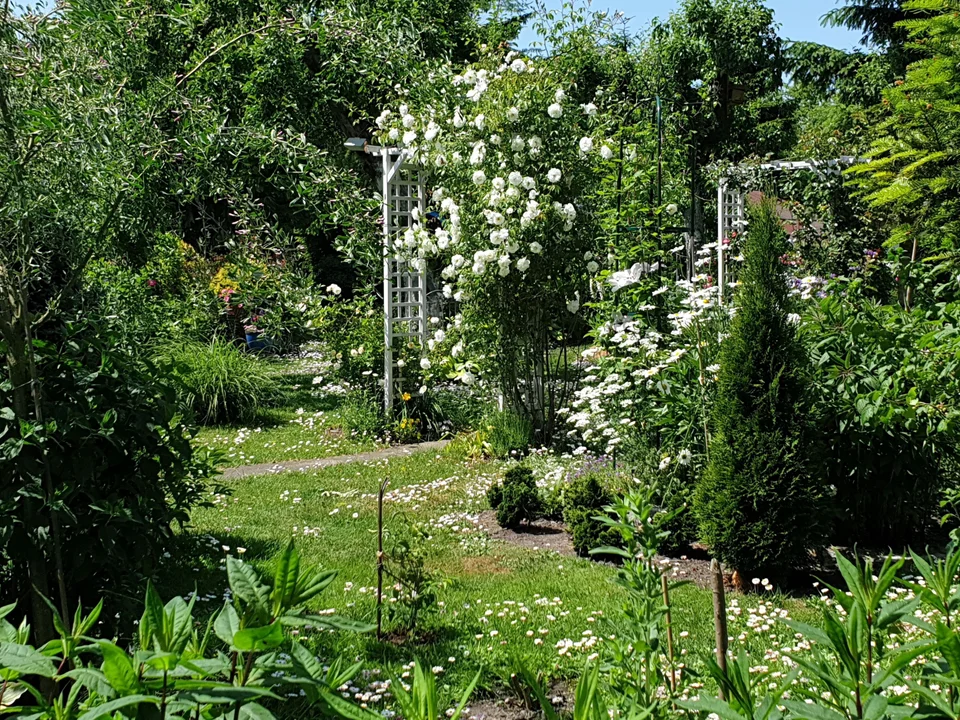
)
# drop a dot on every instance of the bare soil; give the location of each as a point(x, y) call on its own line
point(551, 535)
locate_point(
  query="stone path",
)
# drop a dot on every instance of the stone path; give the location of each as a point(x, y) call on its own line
point(242, 471)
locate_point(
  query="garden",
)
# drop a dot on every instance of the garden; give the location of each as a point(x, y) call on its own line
point(363, 363)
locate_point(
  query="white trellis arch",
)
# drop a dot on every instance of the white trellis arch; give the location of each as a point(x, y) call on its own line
point(403, 188)
point(731, 200)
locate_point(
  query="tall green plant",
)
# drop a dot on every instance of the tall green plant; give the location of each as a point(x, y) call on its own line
point(758, 505)
point(175, 672)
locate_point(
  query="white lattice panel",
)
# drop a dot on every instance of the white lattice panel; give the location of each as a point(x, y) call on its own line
point(404, 290)
point(731, 211)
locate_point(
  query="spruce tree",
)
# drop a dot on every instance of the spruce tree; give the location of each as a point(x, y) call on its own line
point(758, 505)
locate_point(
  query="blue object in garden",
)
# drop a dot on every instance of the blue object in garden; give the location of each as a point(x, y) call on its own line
point(255, 342)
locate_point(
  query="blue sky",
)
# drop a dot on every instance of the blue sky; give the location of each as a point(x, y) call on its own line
point(798, 19)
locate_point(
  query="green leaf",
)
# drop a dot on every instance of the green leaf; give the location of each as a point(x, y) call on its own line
point(254, 711)
point(707, 704)
point(227, 624)
point(334, 622)
point(108, 709)
point(25, 660)
point(118, 669)
point(346, 709)
point(259, 639)
point(93, 680)
point(285, 579)
point(221, 694)
point(311, 585)
point(246, 584)
point(811, 711)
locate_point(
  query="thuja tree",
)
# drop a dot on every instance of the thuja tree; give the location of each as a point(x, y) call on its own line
point(757, 504)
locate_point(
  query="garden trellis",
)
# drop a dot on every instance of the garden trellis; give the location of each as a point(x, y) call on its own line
point(731, 198)
point(403, 188)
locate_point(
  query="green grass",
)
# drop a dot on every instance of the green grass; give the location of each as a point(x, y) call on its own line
point(497, 593)
point(303, 423)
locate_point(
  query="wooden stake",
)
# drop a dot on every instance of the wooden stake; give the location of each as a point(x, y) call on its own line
point(383, 488)
point(720, 617)
point(666, 602)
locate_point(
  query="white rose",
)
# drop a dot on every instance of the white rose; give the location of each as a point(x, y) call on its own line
point(513, 114)
point(536, 248)
point(574, 305)
point(518, 65)
point(517, 144)
point(672, 209)
point(515, 178)
point(425, 363)
point(605, 152)
point(592, 266)
point(586, 144)
point(334, 289)
point(479, 177)
point(499, 184)
point(590, 109)
point(553, 175)
point(555, 110)
point(523, 264)
point(478, 121)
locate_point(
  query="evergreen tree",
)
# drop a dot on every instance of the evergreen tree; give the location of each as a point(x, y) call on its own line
point(757, 504)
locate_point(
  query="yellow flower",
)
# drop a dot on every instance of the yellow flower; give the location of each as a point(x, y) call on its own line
point(406, 397)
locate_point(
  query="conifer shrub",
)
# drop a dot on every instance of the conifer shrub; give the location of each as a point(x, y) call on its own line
point(585, 500)
point(516, 500)
point(758, 504)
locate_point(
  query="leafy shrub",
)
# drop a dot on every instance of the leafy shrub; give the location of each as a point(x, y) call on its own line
point(220, 382)
point(758, 504)
point(886, 402)
point(507, 433)
point(584, 500)
point(517, 499)
point(208, 681)
point(414, 593)
point(121, 465)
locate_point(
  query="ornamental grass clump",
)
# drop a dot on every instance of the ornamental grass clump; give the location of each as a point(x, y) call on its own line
point(759, 504)
point(220, 382)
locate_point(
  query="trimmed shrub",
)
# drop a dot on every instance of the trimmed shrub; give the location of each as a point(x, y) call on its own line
point(584, 500)
point(517, 499)
point(758, 504)
point(220, 382)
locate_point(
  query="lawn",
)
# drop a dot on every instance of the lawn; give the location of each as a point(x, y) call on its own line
point(303, 421)
point(498, 599)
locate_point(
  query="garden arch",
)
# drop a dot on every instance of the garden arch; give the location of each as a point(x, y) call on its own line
point(731, 198)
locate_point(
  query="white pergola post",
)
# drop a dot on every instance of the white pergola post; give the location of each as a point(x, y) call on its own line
point(404, 286)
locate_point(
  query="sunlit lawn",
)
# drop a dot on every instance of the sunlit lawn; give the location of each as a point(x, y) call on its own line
point(499, 600)
point(302, 423)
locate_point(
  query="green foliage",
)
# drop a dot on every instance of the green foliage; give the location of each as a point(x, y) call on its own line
point(583, 502)
point(758, 503)
point(175, 670)
point(516, 500)
point(220, 382)
point(638, 677)
point(116, 454)
point(507, 433)
point(422, 701)
point(415, 589)
point(913, 173)
point(885, 402)
point(360, 413)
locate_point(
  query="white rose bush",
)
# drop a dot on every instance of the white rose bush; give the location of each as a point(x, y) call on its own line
point(514, 170)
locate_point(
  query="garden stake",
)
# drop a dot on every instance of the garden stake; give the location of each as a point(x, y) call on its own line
point(383, 488)
point(720, 617)
point(666, 602)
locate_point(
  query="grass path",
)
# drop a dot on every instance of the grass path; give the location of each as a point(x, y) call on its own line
point(497, 599)
point(240, 471)
point(303, 423)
